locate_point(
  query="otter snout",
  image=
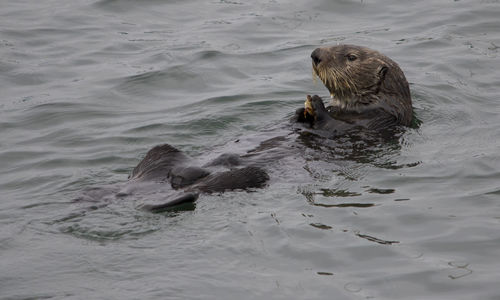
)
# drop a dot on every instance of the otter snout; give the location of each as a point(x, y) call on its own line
point(316, 56)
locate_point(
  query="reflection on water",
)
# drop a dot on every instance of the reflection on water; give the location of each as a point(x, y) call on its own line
point(374, 239)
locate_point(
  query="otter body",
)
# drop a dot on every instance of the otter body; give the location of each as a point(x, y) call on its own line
point(367, 89)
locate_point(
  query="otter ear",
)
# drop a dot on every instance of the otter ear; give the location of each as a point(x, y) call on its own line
point(381, 71)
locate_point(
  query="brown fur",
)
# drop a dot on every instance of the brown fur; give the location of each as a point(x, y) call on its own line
point(362, 80)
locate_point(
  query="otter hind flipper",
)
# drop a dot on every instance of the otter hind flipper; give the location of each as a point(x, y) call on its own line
point(184, 202)
point(226, 159)
point(184, 176)
point(236, 179)
point(158, 163)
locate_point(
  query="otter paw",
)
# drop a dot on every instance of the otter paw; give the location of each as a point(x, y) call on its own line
point(299, 116)
point(308, 107)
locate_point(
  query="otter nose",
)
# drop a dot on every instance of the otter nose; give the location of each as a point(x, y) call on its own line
point(315, 56)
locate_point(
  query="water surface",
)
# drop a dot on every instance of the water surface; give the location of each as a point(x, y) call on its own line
point(89, 86)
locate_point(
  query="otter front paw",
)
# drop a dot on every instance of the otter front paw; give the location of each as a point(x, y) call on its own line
point(309, 113)
point(299, 116)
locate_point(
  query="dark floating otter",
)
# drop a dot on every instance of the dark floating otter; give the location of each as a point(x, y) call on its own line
point(368, 90)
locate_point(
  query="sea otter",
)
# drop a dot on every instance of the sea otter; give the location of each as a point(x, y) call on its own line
point(367, 89)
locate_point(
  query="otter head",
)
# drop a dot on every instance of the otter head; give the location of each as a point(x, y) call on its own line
point(357, 76)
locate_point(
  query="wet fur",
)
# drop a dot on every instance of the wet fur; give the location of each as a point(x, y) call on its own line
point(370, 91)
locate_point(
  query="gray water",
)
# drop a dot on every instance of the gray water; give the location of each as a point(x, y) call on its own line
point(87, 87)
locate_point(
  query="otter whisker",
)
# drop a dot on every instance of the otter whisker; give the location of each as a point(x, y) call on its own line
point(314, 76)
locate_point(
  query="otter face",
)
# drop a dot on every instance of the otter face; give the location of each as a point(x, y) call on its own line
point(350, 72)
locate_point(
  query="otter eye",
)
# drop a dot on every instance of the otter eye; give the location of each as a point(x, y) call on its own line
point(351, 57)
